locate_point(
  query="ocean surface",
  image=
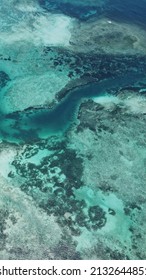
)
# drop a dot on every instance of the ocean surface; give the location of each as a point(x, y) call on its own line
point(40, 123)
point(72, 129)
point(129, 11)
point(125, 11)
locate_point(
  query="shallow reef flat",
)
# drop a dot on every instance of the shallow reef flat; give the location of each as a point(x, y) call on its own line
point(58, 72)
point(114, 170)
point(92, 180)
point(26, 231)
point(72, 130)
point(109, 37)
point(24, 34)
point(38, 61)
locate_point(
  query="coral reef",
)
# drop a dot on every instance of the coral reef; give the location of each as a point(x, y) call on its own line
point(72, 131)
point(106, 36)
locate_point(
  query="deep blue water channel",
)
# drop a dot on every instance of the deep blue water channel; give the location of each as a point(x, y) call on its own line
point(132, 11)
point(28, 125)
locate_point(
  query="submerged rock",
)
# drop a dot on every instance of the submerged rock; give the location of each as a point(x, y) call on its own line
point(4, 78)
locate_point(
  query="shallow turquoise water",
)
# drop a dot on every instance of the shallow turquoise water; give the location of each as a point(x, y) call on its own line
point(28, 125)
point(92, 179)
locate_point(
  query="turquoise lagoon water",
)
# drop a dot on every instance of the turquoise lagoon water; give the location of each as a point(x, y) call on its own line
point(29, 125)
point(80, 196)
